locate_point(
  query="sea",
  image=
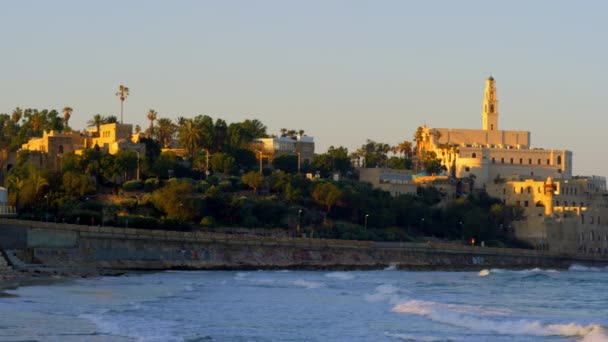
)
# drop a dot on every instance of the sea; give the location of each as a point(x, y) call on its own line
point(271, 305)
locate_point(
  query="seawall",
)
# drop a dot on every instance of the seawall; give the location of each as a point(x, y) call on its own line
point(65, 245)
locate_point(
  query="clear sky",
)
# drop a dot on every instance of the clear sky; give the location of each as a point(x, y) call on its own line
point(344, 71)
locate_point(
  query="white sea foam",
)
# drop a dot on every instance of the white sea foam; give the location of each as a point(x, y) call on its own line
point(393, 266)
point(282, 271)
point(307, 284)
point(476, 318)
point(527, 271)
point(484, 273)
point(581, 268)
point(385, 293)
point(417, 338)
point(340, 275)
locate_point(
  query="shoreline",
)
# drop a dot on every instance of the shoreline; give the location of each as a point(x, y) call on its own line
point(15, 279)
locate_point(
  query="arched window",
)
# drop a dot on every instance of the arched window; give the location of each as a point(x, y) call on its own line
point(538, 161)
point(474, 155)
point(521, 190)
point(521, 160)
point(530, 161)
point(511, 160)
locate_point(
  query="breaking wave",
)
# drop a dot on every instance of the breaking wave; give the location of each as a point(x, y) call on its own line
point(307, 284)
point(489, 320)
point(393, 266)
point(340, 275)
point(581, 268)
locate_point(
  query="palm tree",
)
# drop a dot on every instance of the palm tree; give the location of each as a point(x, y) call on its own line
point(137, 129)
point(67, 113)
point(152, 114)
point(111, 119)
point(165, 130)
point(123, 93)
point(96, 121)
point(190, 135)
point(17, 115)
point(181, 120)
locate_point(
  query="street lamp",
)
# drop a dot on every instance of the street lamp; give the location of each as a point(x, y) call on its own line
point(206, 161)
point(299, 159)
point(137, 164)
point(366, 216)
point(261, 158)
point(299, 221)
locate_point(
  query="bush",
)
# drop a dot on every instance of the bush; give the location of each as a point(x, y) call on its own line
point(133, 185)
point(225, 185)
point(174, 224)
point(151, 184)
point(132, 221)
point(202, 186)
point(129, 204)
point(207, 221)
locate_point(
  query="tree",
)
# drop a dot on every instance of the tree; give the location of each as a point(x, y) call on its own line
point(189, 136)
point(165, 130)
point(224, 163)
point(253, 180)
point(327, 195)
point(67, 113)
point(96, 121)
point(123, 93)
point(17, 115)
point(152, 114)
point(286, 162)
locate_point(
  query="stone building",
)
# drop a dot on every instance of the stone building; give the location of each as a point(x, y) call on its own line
point(111, 138)
point(301, 145)
point(489, 152)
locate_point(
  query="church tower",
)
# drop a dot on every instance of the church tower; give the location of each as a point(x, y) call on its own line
point(490, 106)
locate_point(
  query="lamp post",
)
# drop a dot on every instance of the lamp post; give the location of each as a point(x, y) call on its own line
point(206, 161)
point(137, 164)
point(299, 222)
point(299, 159)
point(261, 158)
point(366, 216)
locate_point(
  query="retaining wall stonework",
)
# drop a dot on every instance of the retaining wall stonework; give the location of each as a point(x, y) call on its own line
point(121, 248)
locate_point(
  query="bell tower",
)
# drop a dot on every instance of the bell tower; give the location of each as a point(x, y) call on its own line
point(490, 106)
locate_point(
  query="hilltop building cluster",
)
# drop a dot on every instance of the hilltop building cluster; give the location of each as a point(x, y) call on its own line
point(110, 138)
point(561, 212)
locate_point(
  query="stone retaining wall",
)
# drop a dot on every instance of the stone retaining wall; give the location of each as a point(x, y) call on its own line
point(122, 248)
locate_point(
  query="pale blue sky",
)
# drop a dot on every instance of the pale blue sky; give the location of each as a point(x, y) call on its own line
point(344, 71)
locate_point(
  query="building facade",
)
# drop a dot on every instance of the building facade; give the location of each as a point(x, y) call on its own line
point(490, 153)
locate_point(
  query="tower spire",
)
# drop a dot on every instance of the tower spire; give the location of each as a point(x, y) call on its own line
point(490, 106)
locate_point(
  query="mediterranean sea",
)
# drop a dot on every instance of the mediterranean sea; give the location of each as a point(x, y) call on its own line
point(384, 305)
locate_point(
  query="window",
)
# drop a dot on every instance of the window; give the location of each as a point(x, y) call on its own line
point(525, 203)
point(491, 127)
point(538, 161)
point(467, 169)
point(548, 161)
point(559, 170)
point(504, 191)
point(521, 190)
point(521, 160)
point(529, 190)
point(502, 160)
point(559, 160)
point(582, 222)
point(530, 161)
point(557, 203)
point(493, 160)
point(474, 155)
point(518, 203)
point(511, 160)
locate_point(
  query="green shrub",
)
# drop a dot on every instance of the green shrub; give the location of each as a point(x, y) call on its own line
point(129, 204)
point(202, 186)
point(207, 221)
point(225, 185)
point(133, 185)
point(151, 184)
point(133, 221)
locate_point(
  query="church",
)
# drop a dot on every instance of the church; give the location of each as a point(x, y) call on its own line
point(490, 153)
